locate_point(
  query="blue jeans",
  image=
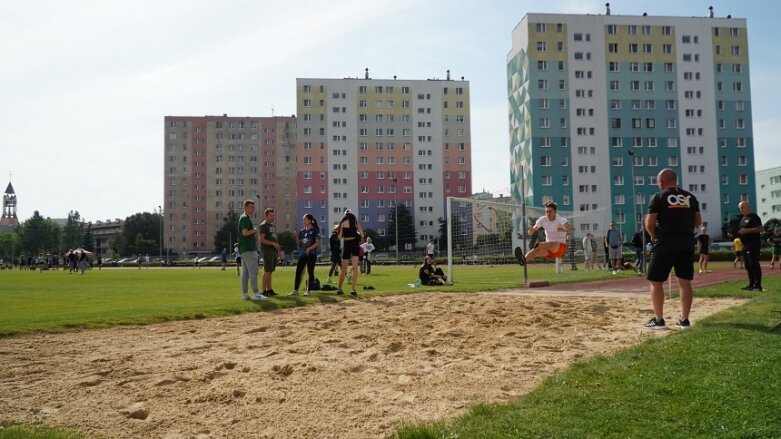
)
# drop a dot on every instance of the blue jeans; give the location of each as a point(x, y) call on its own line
point(249, 271)
point(639, 259)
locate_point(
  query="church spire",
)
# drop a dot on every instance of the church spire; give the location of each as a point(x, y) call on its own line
point(9, 207)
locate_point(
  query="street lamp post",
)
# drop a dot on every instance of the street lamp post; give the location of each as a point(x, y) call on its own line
point(160, 209)
point(638, 227)
point(396, 216)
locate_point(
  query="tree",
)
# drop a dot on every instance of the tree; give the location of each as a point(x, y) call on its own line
point(9, 246)
point(73, 231)
point(228, 234)
point(88, 242)
point(458, 229)
point(407, 234)
point(286, 241)
point(770, 225)
point(140, 234)
point(380, 242)
point(730, 229)
point(38, 235)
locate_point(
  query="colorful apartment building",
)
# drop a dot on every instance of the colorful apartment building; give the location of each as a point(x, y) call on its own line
point(214, 163)
point(599, 104)
point(366, 144)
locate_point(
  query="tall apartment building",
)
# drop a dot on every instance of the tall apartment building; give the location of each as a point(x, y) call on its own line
point(365, 144)
point(214, 163)
point(769, 194)
point(599, 104)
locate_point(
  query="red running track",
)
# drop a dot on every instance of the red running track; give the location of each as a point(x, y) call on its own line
point(629, 282)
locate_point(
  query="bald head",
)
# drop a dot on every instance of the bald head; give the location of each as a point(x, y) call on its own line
point(667, 178)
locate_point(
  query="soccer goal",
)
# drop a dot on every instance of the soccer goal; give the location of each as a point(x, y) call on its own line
point(485, 231)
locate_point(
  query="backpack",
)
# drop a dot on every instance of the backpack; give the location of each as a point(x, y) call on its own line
point(315, 284)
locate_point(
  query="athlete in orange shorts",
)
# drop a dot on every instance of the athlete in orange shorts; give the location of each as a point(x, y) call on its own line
point(556, 228)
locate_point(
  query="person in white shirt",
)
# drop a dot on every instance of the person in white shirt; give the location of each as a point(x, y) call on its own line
point(430, 249)
point(556, 229)
point(589, 246)
point(368, 248)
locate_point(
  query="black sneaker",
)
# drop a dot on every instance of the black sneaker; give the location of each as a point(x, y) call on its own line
point(758, 289)
point(520, 256)
point(354, 293)
point(682, 324)
point(747, 288)
point(654, 324)
point(339, 292)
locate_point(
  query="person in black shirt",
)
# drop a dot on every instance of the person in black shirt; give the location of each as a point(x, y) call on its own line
point(336, 254)
point(775, 249)
point(350, 232)
point(749, 230)
point(673, 214)
point(703, 242)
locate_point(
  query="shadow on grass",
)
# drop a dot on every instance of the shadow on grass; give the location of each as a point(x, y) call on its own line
point(772, 329)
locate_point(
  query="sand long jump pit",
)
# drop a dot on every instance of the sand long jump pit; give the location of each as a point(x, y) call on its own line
point(353, 369)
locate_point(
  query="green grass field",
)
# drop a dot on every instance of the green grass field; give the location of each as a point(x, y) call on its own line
point(719, 379)
point(56, 300)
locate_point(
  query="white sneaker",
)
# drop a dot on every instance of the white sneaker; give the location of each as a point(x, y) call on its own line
point(293, 293)
point(700, 271)
point(260, 297)
point(245, 297)
point(615, 271)
point(307, 293)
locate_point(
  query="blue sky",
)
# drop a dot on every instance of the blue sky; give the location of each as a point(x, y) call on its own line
point(86, 84)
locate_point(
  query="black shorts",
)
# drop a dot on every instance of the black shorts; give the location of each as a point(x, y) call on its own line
point(351, 247)
point(662, 262)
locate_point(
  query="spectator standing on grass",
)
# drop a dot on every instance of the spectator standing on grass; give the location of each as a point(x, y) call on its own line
point(335, 247)
point(71, 262)
point(350, 232)
point(367, 248)
point(703, 242)
point(556, 228)
point(238, 258)
point(737, 246)
point(613, 240)
point(430, 248)
point(269, 243)
point(749, 230)
point(82, 262)
point(589, 251)
point(775, 249)
point(637, 245)
point(224, 258)
point(673, 214)
point(307, 241)
point(248, 251)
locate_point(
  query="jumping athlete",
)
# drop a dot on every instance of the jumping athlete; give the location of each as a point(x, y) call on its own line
point(556, 228)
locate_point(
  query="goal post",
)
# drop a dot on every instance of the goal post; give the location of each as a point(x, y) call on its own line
point(484, 231)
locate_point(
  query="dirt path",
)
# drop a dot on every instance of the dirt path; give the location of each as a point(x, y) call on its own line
point(354, 369)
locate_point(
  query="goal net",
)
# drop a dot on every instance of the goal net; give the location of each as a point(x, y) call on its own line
point(486, 231)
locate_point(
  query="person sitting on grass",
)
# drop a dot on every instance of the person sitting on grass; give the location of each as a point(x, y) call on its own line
point(430, 274)
point(625, 265)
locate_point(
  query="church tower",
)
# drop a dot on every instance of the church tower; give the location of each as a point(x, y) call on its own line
point(9, 207)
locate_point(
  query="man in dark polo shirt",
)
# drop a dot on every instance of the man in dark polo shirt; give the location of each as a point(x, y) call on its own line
point(749, 230)
point(673, 214)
